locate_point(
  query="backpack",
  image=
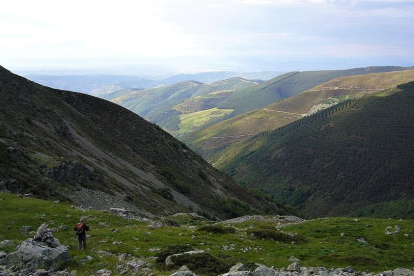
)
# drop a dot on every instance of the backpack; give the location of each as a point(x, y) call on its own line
point(79, 228)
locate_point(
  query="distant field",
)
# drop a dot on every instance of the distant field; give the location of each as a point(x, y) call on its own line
point(191, 121)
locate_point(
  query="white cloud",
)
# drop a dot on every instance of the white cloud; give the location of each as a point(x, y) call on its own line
point(201, 31)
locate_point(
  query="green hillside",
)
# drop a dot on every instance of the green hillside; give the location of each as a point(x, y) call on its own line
point(343, 159)
point(166, 105)
point(289, 85)
point(78, 148)
point(210, 140)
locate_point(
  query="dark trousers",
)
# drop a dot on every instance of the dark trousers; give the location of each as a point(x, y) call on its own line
point(81, 242)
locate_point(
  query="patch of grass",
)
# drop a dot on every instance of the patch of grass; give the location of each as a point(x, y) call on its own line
point(203, 264)
point(195, 120)
point(273, 234)
point(187, 220)
point(217, 229)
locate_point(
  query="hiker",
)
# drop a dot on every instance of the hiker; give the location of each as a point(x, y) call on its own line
point(81, 229)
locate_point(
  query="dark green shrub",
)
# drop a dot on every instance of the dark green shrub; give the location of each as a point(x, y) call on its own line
point(273, 234)
point(202, 264)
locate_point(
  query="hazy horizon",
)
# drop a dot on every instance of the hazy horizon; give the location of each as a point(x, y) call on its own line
point(181, 36)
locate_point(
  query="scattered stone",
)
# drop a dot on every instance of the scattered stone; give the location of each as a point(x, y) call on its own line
point(2, 254)
point(40, 231)
point(362, 240)
point(42, 272)
point(183, 273)
point(348, 269)
point(136, 264)
point(397, 229)
point(283, 220)
point(104, 272)
point(119, 211)
point(26, 229)
point(6, 243)
point(403, 272)
point(238, 267)
point(386, 273)
point(293, 267)
point(63, 227)
point(264, 271)
point(293, 259)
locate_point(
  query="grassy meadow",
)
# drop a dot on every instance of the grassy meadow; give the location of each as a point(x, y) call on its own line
point(329, 242)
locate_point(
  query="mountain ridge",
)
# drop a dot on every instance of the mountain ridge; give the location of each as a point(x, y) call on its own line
point(338, 161)
point(211, 140)
point(76, 147)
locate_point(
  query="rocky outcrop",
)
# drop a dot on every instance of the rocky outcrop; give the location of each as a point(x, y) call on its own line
point(42, 252)
point(293, 267)
point(264, 271)
point(73, 172)
point(169, 260)
point(295, 270)
point(280, 220)
point(184, 271)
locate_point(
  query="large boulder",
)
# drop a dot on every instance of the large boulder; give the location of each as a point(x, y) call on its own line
point(239, 267)
point(264, 271)
point(293, 267)
point(238, 270)
point(403, 272)
point(183, 271)
point(44, 251)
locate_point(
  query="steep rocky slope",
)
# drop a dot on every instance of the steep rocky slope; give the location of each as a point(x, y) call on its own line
point(60, 144)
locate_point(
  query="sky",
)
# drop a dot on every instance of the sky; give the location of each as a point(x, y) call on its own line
point(161, 36)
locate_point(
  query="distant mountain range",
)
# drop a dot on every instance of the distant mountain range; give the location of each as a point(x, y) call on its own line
point(353, 158)
point(101, 84)
point(75, 147)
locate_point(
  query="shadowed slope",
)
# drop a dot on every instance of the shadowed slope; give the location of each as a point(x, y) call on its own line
point(336, 161)
point(60, 144)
